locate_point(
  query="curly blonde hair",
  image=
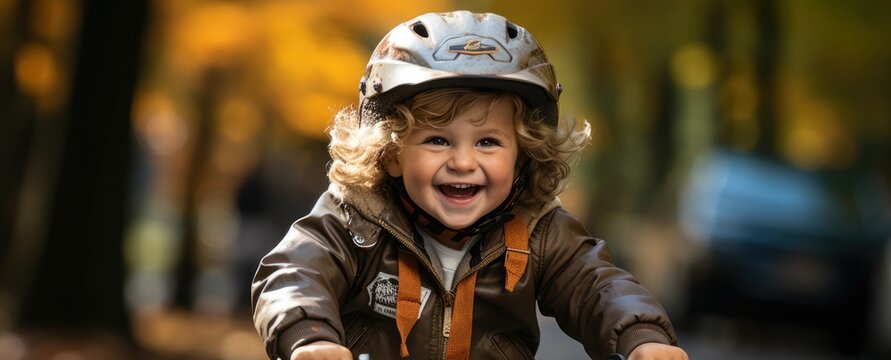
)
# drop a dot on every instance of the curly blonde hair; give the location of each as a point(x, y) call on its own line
point(359, 148)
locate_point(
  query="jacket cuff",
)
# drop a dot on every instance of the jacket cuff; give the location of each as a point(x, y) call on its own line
point(639, 334)
point(302, 333)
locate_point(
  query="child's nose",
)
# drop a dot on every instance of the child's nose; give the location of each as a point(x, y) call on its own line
point(462, 160)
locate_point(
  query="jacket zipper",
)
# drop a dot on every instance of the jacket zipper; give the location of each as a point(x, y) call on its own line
point(447, 322)
point(447, 309)
point(446, 330)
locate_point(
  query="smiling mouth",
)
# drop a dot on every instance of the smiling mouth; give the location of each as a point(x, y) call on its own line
point(459, 191)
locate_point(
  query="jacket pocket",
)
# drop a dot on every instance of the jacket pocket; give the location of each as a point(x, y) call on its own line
point(509, 348)
point(357, 333)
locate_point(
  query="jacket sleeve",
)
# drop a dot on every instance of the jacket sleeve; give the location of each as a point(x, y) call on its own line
point(299, 286)
point(593, 301)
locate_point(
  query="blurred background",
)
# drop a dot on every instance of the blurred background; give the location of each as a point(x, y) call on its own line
point(151, 151)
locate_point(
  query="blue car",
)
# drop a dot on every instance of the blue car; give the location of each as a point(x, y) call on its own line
point(786, 245)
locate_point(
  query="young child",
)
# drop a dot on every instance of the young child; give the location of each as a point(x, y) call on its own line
point(441, 230)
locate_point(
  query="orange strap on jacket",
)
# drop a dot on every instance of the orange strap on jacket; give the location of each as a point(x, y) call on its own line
point(516, 240)
point(462, 320)
point(408, 299)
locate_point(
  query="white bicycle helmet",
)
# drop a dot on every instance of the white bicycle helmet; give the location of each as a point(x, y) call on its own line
point(458, 49)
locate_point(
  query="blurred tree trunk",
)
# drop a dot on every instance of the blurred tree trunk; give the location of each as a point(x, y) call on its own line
point(79, 274)
point(15, 129)
point(208, 98)
point(766, 60)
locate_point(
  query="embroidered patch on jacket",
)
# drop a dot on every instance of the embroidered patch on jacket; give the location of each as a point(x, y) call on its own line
point(382, 295)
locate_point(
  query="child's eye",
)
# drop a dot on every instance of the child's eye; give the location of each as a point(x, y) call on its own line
point(436, 140)
point(487, 142)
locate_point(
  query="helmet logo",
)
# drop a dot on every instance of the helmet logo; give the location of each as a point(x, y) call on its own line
point(473, 47)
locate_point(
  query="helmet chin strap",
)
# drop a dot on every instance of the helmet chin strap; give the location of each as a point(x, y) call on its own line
point(427, 222)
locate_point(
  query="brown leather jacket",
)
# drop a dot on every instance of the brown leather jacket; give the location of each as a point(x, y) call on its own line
point(334, 277)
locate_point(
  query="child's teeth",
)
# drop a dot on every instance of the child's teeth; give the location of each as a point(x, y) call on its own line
point(458, 190)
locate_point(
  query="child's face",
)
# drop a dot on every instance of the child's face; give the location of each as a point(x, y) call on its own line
point(462, 171)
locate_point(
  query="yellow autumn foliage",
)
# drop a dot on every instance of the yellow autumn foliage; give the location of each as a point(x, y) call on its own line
point(302, 58)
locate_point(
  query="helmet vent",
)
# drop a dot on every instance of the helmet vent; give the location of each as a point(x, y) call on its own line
point(420, 29)
point(511, 31)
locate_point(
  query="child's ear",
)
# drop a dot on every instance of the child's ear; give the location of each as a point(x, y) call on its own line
point(393, 167)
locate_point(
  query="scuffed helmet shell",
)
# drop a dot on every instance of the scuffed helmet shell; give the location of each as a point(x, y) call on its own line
point(458, 49)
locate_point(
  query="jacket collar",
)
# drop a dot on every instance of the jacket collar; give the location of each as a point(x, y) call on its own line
point(369, 212)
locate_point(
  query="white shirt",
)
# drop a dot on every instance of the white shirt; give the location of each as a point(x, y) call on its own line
point(449, 258)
